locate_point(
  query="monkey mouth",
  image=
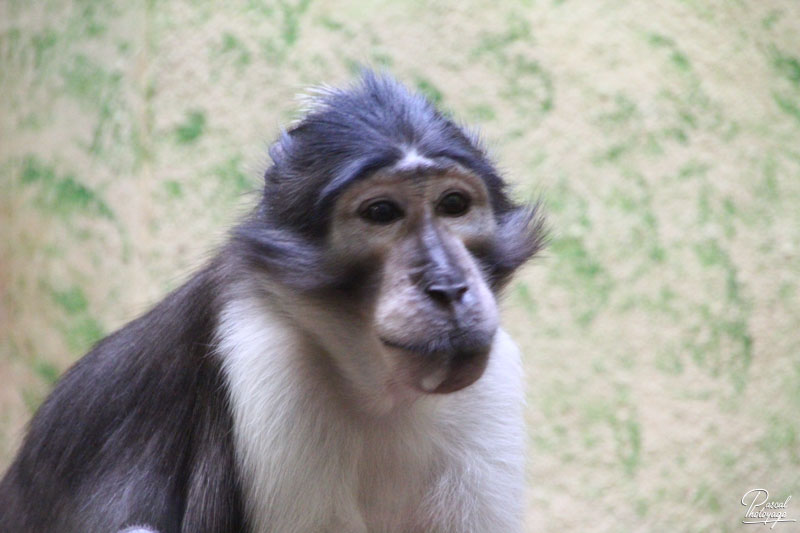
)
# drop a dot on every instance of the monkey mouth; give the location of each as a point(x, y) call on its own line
point(455, 341)
point(423, 349)
point(446, 365)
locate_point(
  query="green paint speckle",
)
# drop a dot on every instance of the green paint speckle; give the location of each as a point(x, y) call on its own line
point(47, 371)
point(787, 66)
point(669, 361)
point(517, 29)
point(658, 40)
point(628, 439)
point(677, 57)
point(82, 333)
point(330, 23)
point(89, 81)
point(431, 92)
point(173, 189)
point(291, 13)
point(192, 127)
point(577, 268)
point(232, 47)
point(530, 87)
point(34, 171)
point(790, 106)
point(43, 45)
point(232, 177)
point(71, 300)
point(481, 113)
point(623, 112)
point(63, 194)
point(524, 297)
point(32, 397)
point(706, 497)
point(680, 60)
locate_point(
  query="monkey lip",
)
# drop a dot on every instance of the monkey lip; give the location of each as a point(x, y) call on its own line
point(441, 371)
point(415, 348)
point(458, 343)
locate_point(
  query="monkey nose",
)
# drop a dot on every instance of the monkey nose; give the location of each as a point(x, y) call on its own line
point(446, 293)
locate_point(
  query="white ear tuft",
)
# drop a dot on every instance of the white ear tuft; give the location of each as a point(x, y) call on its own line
point(315, 99)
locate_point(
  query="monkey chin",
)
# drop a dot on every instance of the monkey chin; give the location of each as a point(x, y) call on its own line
point(440, 372)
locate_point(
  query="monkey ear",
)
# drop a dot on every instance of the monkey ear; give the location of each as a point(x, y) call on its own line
point(280, 152)
point(292, 259)
point(521, 233)
point(287, 257)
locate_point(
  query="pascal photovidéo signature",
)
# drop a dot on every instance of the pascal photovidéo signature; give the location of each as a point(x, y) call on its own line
point(760, 510)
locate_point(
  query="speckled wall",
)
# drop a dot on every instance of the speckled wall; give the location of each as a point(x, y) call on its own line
point(661, 328)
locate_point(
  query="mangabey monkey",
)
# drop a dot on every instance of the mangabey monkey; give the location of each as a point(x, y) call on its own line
point(337, 367)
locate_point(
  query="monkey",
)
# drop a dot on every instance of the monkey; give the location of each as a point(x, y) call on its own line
point(337, 366)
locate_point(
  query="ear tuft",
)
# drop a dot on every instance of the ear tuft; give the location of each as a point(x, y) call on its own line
point(287, 257)
point(315, 99)
point(521, 234)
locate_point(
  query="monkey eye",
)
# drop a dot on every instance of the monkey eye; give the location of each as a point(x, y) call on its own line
point(453, 204)
point(381, 212)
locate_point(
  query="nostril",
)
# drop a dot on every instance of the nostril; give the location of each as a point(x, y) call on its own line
point(446, 293)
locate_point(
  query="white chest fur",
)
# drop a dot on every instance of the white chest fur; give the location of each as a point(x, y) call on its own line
point(450, 463)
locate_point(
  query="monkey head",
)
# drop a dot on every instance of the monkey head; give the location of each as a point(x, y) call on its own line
point(386, 217)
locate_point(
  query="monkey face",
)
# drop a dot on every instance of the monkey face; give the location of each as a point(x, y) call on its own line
point(386, 234)
point(433, 310)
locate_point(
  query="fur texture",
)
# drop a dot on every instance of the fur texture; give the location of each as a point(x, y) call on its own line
point(445, 463)
point(137, 432)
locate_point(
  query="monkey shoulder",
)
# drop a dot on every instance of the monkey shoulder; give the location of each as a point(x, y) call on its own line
point(140, 420)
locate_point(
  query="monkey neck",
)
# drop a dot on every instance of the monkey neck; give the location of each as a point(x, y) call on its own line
point(311, 352)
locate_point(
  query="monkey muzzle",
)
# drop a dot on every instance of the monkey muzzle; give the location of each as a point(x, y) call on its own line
point(446, 364)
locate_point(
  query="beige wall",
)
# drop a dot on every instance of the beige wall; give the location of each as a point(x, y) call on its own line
point(660, 328)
